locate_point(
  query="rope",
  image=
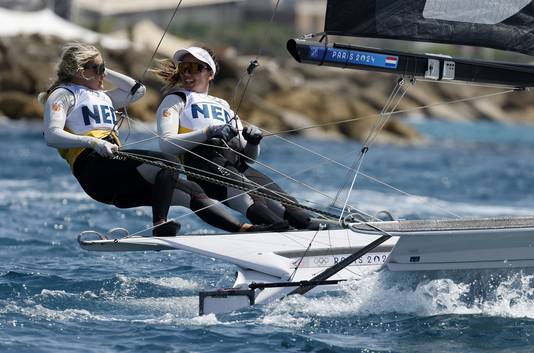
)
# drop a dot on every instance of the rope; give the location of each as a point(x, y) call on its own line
point(124, 114)
point(243, 186)
point(161, 40)
point(254, 63)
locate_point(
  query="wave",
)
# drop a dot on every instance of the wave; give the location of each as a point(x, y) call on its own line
point(126, 284)
point(404, 206)
point(25, 242)
point(40, 312)
point(408, 206)
point(174, 311)
point(495, 294)
point(172, 282)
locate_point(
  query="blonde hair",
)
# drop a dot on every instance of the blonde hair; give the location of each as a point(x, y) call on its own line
point(168, 71)
point(73, 58)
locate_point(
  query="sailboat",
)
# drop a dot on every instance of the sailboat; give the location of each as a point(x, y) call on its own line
point(271, 266)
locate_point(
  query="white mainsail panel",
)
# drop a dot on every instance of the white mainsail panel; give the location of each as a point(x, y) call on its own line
point(473, 11)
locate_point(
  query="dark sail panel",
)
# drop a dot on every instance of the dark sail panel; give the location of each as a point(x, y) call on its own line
point(499, 24)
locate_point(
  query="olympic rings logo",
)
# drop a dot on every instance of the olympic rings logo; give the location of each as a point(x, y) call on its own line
point(321, 260)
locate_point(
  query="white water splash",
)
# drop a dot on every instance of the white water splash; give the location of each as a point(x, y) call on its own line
point(46, 293)
point(172, 282)
point(42, 313)
point(284, 320)
point(392, 293)
point(128, 285)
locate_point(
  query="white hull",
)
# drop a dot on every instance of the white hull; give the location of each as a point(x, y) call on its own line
point(301, 255)
point(461, 244)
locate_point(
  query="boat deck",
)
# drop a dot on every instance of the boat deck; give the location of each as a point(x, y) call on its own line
point(444, 225)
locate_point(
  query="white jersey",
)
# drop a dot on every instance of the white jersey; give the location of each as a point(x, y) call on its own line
point(93, 110)
point(202, 110)
point(92, 114)
point(183, 117)
point(75, 114)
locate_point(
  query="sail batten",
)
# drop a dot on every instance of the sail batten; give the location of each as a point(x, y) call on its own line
point(500, 24)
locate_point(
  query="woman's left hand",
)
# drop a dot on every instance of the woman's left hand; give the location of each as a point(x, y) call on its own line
point(252, 134)
point(225, 132)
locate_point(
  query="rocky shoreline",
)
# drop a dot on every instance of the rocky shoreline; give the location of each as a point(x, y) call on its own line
point(282, 95)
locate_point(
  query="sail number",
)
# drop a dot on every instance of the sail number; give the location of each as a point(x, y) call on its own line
point(376, 258)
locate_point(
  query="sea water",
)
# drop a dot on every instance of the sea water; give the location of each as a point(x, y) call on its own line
point(55, 297)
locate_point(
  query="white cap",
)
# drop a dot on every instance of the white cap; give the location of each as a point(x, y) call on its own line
point(199, 53)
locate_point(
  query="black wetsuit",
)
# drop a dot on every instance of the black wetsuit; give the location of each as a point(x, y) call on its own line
point(227, 165)
point(118, 182)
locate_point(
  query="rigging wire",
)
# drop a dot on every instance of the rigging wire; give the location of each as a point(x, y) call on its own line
point(198, 174)
point(291, 178)
point(254, 63)
point(297, 266)
point(391, 104)
point(165, 164)
point(239, 175)
point(356, 162)
point(380, 123)
point(232, 182)
point(161, 40)
point(249, 71)
point(279, 133)
point(124, 113)
point(368, 176)
point(409, 110)
point(327, 159)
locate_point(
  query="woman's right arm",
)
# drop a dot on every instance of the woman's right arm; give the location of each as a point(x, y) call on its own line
point(57, 106)
point(168, 119)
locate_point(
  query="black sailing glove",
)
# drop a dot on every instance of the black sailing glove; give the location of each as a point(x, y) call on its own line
point(225, 132)
point(252, 135)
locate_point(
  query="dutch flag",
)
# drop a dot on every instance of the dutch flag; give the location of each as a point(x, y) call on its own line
point(391, 61)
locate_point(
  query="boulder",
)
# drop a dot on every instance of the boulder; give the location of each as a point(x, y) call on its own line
point(20, 105)
point(281, 95)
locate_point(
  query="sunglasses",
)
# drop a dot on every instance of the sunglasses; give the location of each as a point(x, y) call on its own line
point(191, 67)
point(99, 68)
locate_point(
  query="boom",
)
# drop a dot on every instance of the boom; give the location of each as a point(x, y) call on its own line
point(428, 66)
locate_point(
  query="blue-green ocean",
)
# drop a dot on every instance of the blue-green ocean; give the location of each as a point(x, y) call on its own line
point(55, 297)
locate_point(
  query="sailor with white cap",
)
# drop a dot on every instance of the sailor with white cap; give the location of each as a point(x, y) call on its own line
point(200, 54)
point(204, 130)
